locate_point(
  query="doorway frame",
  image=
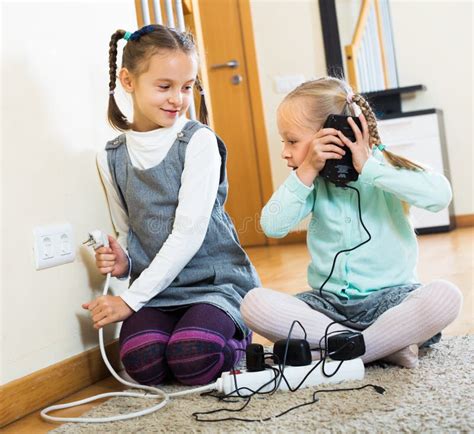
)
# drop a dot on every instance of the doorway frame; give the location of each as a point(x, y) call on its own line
point(192, 15)
point(255, 97)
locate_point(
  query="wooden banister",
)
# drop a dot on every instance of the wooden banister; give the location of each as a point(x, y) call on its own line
point(361, 23)
point(139, 13)
point(383, 52)
point(352, 50)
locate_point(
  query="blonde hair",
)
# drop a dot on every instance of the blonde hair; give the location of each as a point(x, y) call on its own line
point(330, 95)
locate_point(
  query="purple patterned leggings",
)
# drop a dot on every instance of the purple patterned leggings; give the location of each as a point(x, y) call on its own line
point(195, 344)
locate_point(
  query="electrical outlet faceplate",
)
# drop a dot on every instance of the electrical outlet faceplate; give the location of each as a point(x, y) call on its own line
point(53, 245)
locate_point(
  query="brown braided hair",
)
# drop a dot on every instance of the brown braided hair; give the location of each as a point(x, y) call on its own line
point(142, 44)
point(203, 114)
point(116, 118)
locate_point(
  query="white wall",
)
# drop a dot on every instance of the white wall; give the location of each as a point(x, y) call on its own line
point(55, 91)
point(433, 43)
point(288, 42)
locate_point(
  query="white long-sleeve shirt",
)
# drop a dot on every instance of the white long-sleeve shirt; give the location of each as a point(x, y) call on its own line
point(197, 195)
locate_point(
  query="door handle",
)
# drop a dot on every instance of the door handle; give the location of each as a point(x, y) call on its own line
point(229, 64)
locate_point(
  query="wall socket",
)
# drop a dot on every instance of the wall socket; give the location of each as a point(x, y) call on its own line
point(53, 245)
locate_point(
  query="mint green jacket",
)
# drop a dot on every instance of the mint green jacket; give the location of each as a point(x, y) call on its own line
point(390, 258)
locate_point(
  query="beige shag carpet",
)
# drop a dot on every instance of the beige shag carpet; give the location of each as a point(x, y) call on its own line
point(436, 397)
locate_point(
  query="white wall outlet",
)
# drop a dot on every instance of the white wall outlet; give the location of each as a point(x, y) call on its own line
point(53, 245)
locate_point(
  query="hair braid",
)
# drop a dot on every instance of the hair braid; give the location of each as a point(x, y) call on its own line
point(116, 118)
point(203, 113)
point(370, 118)
point(393, 159)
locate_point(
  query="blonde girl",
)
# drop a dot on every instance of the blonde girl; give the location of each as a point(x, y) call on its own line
point(376, 282)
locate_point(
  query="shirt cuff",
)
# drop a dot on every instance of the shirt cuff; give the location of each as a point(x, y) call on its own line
point(371, 170)
point(129, 299)
point(297, 187)
point(127, 274)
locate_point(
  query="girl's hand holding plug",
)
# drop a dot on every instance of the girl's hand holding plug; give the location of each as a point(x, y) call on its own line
point(109, 308)
point(361, 148)
point(112, 259)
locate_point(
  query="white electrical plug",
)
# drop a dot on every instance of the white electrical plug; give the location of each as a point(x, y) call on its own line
point(97, 239)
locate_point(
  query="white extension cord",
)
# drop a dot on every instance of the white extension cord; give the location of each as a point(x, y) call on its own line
point(226, 384)
point(98, 239)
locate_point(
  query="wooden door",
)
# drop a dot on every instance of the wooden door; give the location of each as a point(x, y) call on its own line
point(224, 33)
point(231, 78)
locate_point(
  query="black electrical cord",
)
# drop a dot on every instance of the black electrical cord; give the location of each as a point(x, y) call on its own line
point(378, 389)
point(237, 389)
point(282, 369)
point(344, 251)
point(322, 351)
point(279, 373)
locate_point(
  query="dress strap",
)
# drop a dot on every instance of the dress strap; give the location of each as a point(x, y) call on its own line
point(115, 143)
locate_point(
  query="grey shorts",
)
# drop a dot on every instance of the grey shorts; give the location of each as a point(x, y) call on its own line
point(364, 311)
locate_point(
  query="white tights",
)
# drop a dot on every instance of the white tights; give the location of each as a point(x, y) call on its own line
point(421, 315)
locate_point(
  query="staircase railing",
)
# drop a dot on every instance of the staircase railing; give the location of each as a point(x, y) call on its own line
point(370, 58)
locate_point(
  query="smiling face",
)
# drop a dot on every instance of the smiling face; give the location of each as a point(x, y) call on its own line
point(163, 92)
point(295, 131)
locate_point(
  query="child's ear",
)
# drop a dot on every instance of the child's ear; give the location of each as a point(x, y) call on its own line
point(126, 80)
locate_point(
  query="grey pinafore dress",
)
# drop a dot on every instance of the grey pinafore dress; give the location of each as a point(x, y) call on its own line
point(220, 273)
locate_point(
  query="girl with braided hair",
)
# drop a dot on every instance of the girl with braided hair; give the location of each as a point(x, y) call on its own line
point(166, 184)
point(364, 282)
